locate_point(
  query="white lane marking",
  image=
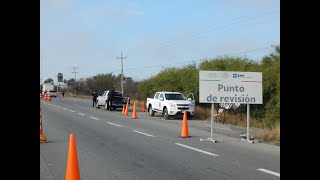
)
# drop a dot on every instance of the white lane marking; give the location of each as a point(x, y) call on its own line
point(58, 107)
point(270, 172)
point(143, 133)
point(49, 104)
point(199, 150)
point(53, 105)
point(81, 114)
point(64, 108)
point(114, 124)
point(94, 118)
point(71, 111)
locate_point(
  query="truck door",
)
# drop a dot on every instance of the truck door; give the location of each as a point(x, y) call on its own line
point(102, 98)
point(155, 101)
point(160, 101)
point(105, 97)
point(190, 97)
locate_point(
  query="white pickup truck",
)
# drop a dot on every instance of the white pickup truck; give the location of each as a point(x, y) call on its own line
point(171, 104)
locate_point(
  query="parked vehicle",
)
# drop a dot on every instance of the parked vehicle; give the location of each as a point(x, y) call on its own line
point(171, 104)
point(53, 93)
point(118, 100)
point(47, 87)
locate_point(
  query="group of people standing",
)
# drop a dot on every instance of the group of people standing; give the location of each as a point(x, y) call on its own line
point(109, 100)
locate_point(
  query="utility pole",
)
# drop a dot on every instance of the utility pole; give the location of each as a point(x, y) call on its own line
point(121, 57)
point(75, 76)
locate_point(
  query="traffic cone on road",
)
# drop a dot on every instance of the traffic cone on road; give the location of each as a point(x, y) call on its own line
point(43, 138)
point(73, 172)
point(49, 97)
point(123, 108)
point(134, 113)
point(126, 112)
point(184, 131)
point(142, 107)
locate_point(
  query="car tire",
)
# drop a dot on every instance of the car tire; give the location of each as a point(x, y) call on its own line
point(151, 112)
point(165, 114)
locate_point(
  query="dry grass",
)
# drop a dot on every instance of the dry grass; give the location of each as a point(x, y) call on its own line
point(234, 119)
point(202, 113)
point(78, 96)
point(138, 103)
point(269, 135)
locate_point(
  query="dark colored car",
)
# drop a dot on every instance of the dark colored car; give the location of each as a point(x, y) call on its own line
point(118, 100)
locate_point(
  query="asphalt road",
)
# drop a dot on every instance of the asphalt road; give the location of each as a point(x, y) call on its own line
point(114, 146)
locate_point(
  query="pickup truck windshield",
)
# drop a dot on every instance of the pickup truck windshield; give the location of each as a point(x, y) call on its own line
point(175, 97)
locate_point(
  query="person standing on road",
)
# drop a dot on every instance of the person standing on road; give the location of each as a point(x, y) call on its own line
point(94, 99)
point(110, 99)
point(63, 93)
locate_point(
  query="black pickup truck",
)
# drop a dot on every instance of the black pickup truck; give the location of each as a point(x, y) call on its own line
point(118, 100)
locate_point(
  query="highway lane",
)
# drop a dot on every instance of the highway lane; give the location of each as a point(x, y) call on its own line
point(113, 146)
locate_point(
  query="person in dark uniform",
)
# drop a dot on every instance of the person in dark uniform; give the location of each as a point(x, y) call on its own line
point(110, 99)
point(63, 93)
point(94, 99)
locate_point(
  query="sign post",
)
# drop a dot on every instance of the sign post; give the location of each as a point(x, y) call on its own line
point(230, 87)
point(212, 119)
point(248, 123)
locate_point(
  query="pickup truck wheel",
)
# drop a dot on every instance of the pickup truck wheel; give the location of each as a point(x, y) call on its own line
point(165, 113)
point(151, 112)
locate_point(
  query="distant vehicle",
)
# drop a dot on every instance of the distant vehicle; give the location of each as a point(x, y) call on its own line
point(171, 104)
point(53, 93)
point(117, 102)
point(47, 87)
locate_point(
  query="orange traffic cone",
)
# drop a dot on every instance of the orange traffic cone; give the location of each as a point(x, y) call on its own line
point(73, 172)
point(49, 97)
point(134, 113)
point(123, 108)
point(184, 131)
point(142, 107)
point(43, 138)
point(126, 112)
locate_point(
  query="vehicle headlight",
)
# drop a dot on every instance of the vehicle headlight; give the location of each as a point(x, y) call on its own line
point(191, 105)
point(172, 105)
